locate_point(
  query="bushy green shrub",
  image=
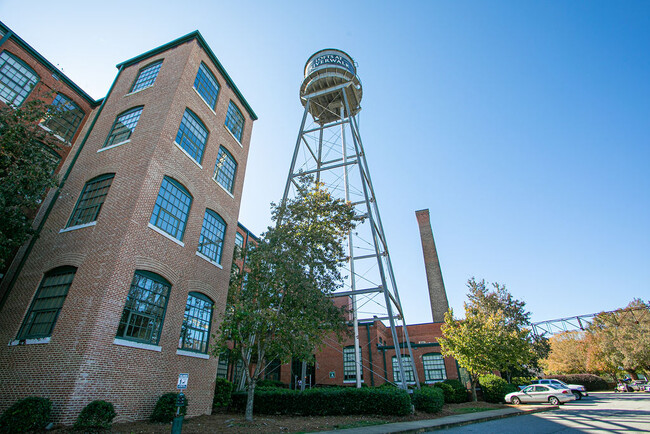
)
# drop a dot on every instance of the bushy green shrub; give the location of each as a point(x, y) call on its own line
point(96, 415)
point(447, 391)
point(460, 392)
point(522, 381)
point(165, 409)
point(272, 383)
point(222, 393)
point(495, 388)
point(327, 401)
point(429, 399)
point(592, 383)
point(28, 414)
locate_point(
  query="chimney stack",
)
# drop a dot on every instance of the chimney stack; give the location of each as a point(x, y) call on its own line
point(437, 293)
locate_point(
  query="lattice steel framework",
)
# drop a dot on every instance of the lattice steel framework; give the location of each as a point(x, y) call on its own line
point(329, 148)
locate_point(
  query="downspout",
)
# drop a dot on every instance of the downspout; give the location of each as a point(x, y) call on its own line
point(37, 233)
point(372, 377)
point(383, 350)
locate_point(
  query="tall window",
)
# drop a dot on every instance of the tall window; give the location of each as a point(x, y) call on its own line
point(123, 126)
point(225, 169)
point(212, 234)
point(146, 76)
point(235, 121)
point(206, 85)
point(408, 369)
point(16, 79)
point(67, 117)
point(239, 244)
point(349, 365)
point(434, 367)
point(192, 135)
point(222, 366)
point(144, 310)
point(172, 208)
point(195, 330)
point(47, 303)
point(91, 200)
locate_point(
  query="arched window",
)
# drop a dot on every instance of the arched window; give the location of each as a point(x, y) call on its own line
point(48, 301)
point(16, 79)
point(172, 208)
point(192, 135)
point(91, 200)
point(235, 121)
point(123, 126)
point(195, 330)
point(213, 232)
point(206, 85)
point(434, 367)
point(225, 170)
point(146, 76)
point(66, 117)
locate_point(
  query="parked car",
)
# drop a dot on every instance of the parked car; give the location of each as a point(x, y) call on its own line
point(638, 385)
point(541, 393)
point(578, 390)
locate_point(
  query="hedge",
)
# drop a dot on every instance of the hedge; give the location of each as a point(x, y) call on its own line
point(222, 393)
point(592, 383)
point(272, 383)
point(495, 388)
point(428, 399)
point(165, 409)
point(96, 415)
point(326, 401)
point(460, 392)
point(29, 414)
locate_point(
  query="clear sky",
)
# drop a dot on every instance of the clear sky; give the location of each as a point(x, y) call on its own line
point(523, 126)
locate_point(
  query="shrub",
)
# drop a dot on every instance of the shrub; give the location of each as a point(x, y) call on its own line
point(28, 414)
point(460, 392)
point(165, 409)
point(327, 401)
point(429, 399)
point(222, 393)
point(272, 383)
point(523, 381)
point(592, 383)
point(495, 388)
point(447, 391)
point(96, 415)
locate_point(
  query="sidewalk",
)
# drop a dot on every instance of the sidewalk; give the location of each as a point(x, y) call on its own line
point(419, 426)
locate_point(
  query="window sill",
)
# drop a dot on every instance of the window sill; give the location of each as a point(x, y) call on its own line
point(140, 345)
point(192, 354)
point(224, 189)
point(138, 91)
point(202, 256)
point(165, 234)
point(206, 103)
point(54, 134)
point(74, 228)
point(351, 381)
point(188, 155)
point(233, 136)
point(106, 148)
point(34, 341)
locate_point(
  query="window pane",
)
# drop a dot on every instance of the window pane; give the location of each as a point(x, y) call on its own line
point(408, 369)
point(67, 117)
point(206, 85)
point(212, 234)
point(123, 126)
point(434, 367)
point(225, 169)
point(195, 330)
point(192, 136)
point(144, 310)
point(349, 370)
point(235, 121)
point(222, 367)
point(16, 79)
point(146, 76)
point(172, 208)
point(42, 315)
point(91, 200)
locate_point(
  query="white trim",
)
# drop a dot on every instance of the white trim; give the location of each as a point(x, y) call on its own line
point(188, 155)
point(29, 341)
point(206, 103)
point(139, 90)
point(233, 136)
point(224, 188)
point(165, 234)
point(115, 145)
point(192, 354)
point(54, 134)
point(202, 256)
point(351, 381)
point(73, 228)
point(140, 345)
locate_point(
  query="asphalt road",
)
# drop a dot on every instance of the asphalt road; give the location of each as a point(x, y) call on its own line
point(602, 412)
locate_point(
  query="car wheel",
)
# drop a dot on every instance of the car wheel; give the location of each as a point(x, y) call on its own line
point(554, 401)
point(515, 400)
point(578, 395)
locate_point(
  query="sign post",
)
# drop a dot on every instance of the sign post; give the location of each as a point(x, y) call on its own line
point(177, 424)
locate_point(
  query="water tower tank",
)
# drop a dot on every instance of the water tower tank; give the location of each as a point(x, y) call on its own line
point(329, 73)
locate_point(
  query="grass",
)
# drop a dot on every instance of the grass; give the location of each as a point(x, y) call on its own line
point(464, 410)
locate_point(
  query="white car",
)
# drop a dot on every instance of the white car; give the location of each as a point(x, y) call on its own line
point(541, 393)
point(578, 390)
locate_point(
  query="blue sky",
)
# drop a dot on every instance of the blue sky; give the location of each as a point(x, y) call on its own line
point(524, 127)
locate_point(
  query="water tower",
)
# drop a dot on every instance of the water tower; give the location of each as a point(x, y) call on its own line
point(329, 148)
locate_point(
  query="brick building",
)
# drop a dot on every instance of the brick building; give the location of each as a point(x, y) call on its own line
point(129, 273)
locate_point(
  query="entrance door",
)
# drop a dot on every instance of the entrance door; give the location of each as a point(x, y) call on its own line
point(296, 370)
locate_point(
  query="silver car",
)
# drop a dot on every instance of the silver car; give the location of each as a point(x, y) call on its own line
point(541, 393)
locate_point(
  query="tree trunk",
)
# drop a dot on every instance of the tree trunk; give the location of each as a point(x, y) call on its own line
point(249, 401)
point(474, 382)
point(303, 374)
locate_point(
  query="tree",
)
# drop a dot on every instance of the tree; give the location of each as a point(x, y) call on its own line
point(28, 158)
point(491, 337)
point(278, 306)
point(568, 354)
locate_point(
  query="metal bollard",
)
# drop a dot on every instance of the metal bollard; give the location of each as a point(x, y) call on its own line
point(177, 423)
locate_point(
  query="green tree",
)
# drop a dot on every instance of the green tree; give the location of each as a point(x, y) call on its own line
point(28, 158)
point(568, 354)
point(278, 307)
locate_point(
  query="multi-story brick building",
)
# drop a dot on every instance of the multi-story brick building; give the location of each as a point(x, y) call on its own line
point(129, 273)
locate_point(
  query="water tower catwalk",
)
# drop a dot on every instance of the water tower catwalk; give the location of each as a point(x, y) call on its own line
point(329, 148)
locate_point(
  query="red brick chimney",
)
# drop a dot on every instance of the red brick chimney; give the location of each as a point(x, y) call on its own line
point(437, 293)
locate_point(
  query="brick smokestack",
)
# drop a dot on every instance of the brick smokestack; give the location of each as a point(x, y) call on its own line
point(437, 293)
